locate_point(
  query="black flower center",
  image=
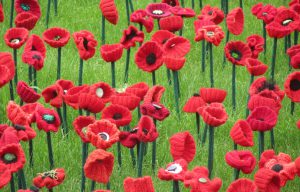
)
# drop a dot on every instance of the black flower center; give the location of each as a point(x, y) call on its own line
point(236, 55)
point(19, 127)
point(145, 131)
point(151, 59)
point(117, 116)
point(57, 38)
point(49, 118)
point(9, 158)
point(270, 85)
point(85, 43)
point(134, 130)
point(25, 7)
point(131, 35)
point(286, 22)
point(172, 3)
point(295, 85)
point(260, 119)
point(210, 12)
point(157, 107)
point(196, 95)
point(277, 168)
point(164, 41)
point(37, 57)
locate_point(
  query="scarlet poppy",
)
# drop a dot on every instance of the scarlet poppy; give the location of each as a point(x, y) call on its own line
point(49, 179)
point(198, 180)
point(144, 184)
point(267, 180)
point(65, 85)
point(138, 89)
point(211, 33)
point(26, 93)
point(293, 50)
point(241, 134)
point(174, 63)
point(149, 56)
point(5, 173)
point(141, 17)
point(85, 43)
point(72, 96)
point(26, 20)
point(294, 54)
point(99, 166)
point(293, 2)
point(129, 138)
point(12, 156)
point(146, 130)
point(237, 52)
point(242, 185)
point(183, 11)
point(292, 86)
point(56, 37)
point(154, 94)
point(213, 116)
point(125, 99)
point(256, 44)
point(80, 125)
point(264, 12)
point(15, 114)
point(171, 23)
point(162, 36)
point(30, 110)
point(47, 119)
point(53, 95)
point(182, 146)
point(213, 14)
point(201, 23)
point(5, 77)
point(1, 14)
point(193, 104)
point(177, 47)
point(102, 90)
point(131, 35)
point(297, 165)
point(158, 10)
point(241, 160)
point(117, 114)
point(261, 84)
point(264, 100)
point(28, 6)
point(35, 43)
point(103, 134)
point(155, 110)
point(33, 58)
point(172, 3)
point(173, 171)
point(235, 21)
point(102, 191)
point(111, 53)
point(256, 67)
point(90, 102)
point(15, 37)
point(109, 11)
point(23, 132)
point(7, 68)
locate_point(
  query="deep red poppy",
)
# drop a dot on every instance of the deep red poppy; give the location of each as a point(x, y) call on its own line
point(125, 99)
point(241, 134)
point(174, 171)
point(264, 12)
point(26, 93)
point(109, 11)
point(256, 67)
point(23, 132)
point(213, 95)
point(172, 3)
point(211, 33)
point(294, 54)
point(162, 36)
point(174, 63)
point(144, 184)
point(295, 61)
point(297, 165)
point(291, 86)
point(293, 2)
point(117, 114)
point(177, 47)
point(182, 146)
point(193, 103)
point(1, 13)
point(242, 160)
point(158, 10)
point(30, 110)
point(65, 85)
point(201, 23)
point(267, 180)
point(129, 138)
point(47, 119)
point(28, 6)
point(90, 102)
point(15, 114)
point(35, 43)
point(256, 44)
point(111, 53)
point(81, 124)
point(53, 95)
point(264, 100)
point(15, 37)
point(237, 52)
point(293, 50)
point(99, 166)
point(7, 68)
point(56, 37)
point(213, 116)
point(33, 58)
point(154, 94)
point(131, 35)
point(12, 156)
point(138, 89)
point(199, 181)
point(72, 96)
point(146, 130)
point(26, 20)
point(242, 185)
point(183, 11)
point(155, 110)
point(49, 179)
point(213, 14)
point(141, 17)
point(102, 90)
point(172, 23)
point(85, 43)
point(5, 77)
point(5, 173)
point(235, 21)
point(261, 84)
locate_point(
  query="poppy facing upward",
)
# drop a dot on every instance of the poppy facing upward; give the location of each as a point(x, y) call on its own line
point(211, 33)
point(102, 90)
point(56, 37)
point(292, 86)
point(117, 114)
point(47, 119)
point(158, 10)
point(213, 14)
point(131, 35)
point(85, 43)
point(237, 52)
point(12, 156)
point(26, 20)
point(15, 37)
point(49, 179)
point(28, 6)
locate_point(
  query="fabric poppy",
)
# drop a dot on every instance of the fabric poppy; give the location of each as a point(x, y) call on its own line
point(256, 67)
point(81, 124)
point(174, 63)
point(213, 14)
point(149, 56)
point(142, 184)
point(266, 13)
point(12, 156)
point(183, 11)
point(241, 134)
point(26, 20)
point(8, 137)
point(243, 184)
point(53, 95)
point(141, 17)
point(193, 104)
point(102, 90)
point(90, 103)
point(125, 99)
point(293, 50)
point(294, 54)
point(28, 6)
point(1, 14)
point(177, 47)
point(35, 43)
point(155, 110)
point(85, 43)
point(174, 171)
point(264, 100)
point(172, 23)
point(235, 21)
point(7, 68)
point(47, 119)
point(211, 33)
point(199, 181)
point(26, 93)
point(237, 52)
point(72, 96)
point(131, 35)
point(242, 160)
point(138, 89)
point(49, 179)
point(182, 146)
point(256, 44)
point(30, 110)
point(213, 116)
point(15, 37)
point(65, 85)
point(103, 134)
point(158, 10)
point(99, 166)
point(154, 94)
point(33, 58)
point(146, 130)
point(56, 37)
point(267, 180)
point(292, 86)
point(109, 11)
point(102, 191)
point(5, 173)
point(23, 132)
point(162, 36)
point(129, 139)
point(15, 114)
point(297, 165)
point(117, 114)
point(261, 84)
point(172, 3)
point(111, 53)
point(198, 24)
point(5, 77)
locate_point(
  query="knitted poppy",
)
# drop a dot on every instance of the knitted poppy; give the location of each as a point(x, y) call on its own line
point(142, 184)
point(102, 90)
point(235, 21)
point(7, 68)
point(182, 146)
point(267, 180)
point(8, 137)
point(213, 116)
point(81, 124)
point(65, 85)
point(174, 63)
point(129, 138)
point(183, 11)
point(241, 160)
point(117, 114)
point(146, 130)
point(53, 95)
point(211, 33)
point(201, 23)
point(297, 165)
point(85, 43)
point(56, 37)
point(5, 173)
point(193, 104)
point(26, 20)
point(1, 14)
point(109, 11)
point(199, 181)
point(28, 6)
point(12, 156)
point(177, 47)
point(213, 95)
point(256, 44)
point(155, 110)
point(141, 17)
point(30, 110)
point(4, 79)
point(293, 50)
point(23, 132)
point(292, 86)
point(33, 58)
point(131, 35)
point(138, 89)
point(171, 23)
point(281, 163)
point(213, 14)
point(158, 10)
point(125, 99)
point(262, 119)
point(162, 36)
point(243, 184)
point(111, 53)
point(154, 94)
point(35, 43)
point(256, 67)
point(241, 134)
point(72, 96)
point(173, 171)
point(99, 166)
point(264, 100)
point(149, 56)
point(294, 54)
point(261, 84)
point(237, 52)
point(47, 119)
point(295, 61)
point(264, 12)
point(49, 179)
point(15, 37)
point(90, 102)
point(172, 3)
point(26, 93)
point(102, 191)
point(103, 134)
point(15, 114)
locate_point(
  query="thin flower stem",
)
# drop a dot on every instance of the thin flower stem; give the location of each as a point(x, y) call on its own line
point(21, 175)
point(193, 4)
point(241, 4)
point(182, 3)
point(64, 129)
point(200, 4)
point(127, 12)
point(127, 66)
point(20, 184)
point(103, 30)
point(176, 186)
point(204, 134)
point(153, 78)
point(139, 112)
point(264, 36)
point(169, 76)
point(154, 150)
point(296, 35)
point(211, 151)
point(175, 79)
point(127, 128)
point(289, 44)
point(50, 190)
point(272, 139)
point(65, 117)
point(211, 61)
point(158, 25)
point(50, 151)
point(113, 75)
point(273, 58)
point(140, 159)
point(55, 7)
point(11, 90)
point(292, 107)
point(11, 13)
point(93, 185)
point(108, 185)
point(198, 126)
point(236, 174)
point(227, 39)
point(35, 83)
point(261, 142)
point(247, 109)
point(12, 184)
point(131, 6)
point(58, 63)
point(203, 56)
point(233, 87)
point(48, 14)
point(31, 153)
point(15, 51)
point(30, 75)
point(80, 72)
point(84, 156)
point(119, 154)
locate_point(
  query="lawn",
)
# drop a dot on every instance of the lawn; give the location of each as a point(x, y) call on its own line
point(76, 15)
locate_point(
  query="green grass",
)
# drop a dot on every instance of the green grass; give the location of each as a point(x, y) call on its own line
point(77, 15)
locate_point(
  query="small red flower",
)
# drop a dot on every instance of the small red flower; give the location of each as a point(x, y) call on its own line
point(261, 84)
point(162, 36)
point(102, 90)
point(213, 14)
point(294, 54)
point(28, 6)
point(174, 63)
point(213, 116)
point(154, 94)
point(129, 139)
point(174, 171)
point(72, 96)
point(125, 99)
point(264, 100)
point(26, 93)
point(202, 23)
point(1, 14)
point(49, 179)
point(15, 37)
point(35, 43)
point(138, 89)
point(23, 132)
point(16, 115)
point(56, 37)
point(8, 137)
point(144, 184)
point(242, 185)
point(267, 180)
point(237, 52)
point(90, 103)
point(85, 43)
point(256, 44)
point(65, 85)
point(7, 68)
point(141, 17)
point(256, 67)
point(4, 79)
point(117, 114)
point(241, 160)
point(177, 47)
point(171, 23)
point(131, 35)
point(155, 110)
point(265, 13)
point(211, 33)
point(193, 104)
point(182, 146)
point(33, 58)
point(26, 20)
point(81, 124)
point(241, 134)
point(47, 119)
point(111, 53)
point(146, 130)
point(235, 21)
point(109, 11)
point(12, 156)
point(183, 12)
point(5, 173)
point(292, 86)
point(53, 95)
point(172, 3)
point(158, 10)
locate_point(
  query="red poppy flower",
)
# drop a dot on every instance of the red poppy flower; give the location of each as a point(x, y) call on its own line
point(183, 12)
point(294, 54)
point(213, 95)
point(15, 37)
point(155, 110)
point(125, 99)
point(81, 124)
point(72, 96)
point(56, 37)
point(242, 185)
point(85, 43)
point(28, 6)
point(158, 10)
point(182, 146)
point(241, 160)
point(47, 119)
point(146, 130)
point(26, 20)
point(177, 47)
point(237, 52)
point(261, 84)
point(193, 104)
point(1, 14)
point(174, 63)
point(267, 180)
point(171, 23)
point(213, 14)
point(117, 114)
point(174, 171)
point(7, 68)
point(111, 53)
point(213, 116)
point(33, 58)
point(35, 43)
point(162, 36)
point(241, 134)
point(5, 173)
point(30, 110)
point(138, 89)
point(264, 100)
point(103, 134)
point(26, 93)
point(262, 119)
point(102, 90)
point(53, 95)
point(211, 33)
point(5, 77)
point(12, 156)
point(129, 139)
point(15, 114)
point(265, 13)
point(154, 94)
point(23, 132)
point(293, 50)
point(149, 56)
point(256, 44)
point(90, 103)
point(131, 35)
point(139, 184)
point(65, 85)
point(297, 165)
point(141, 17)
point(291, 86)
point(99, 166)
point(109, 11)
point(202, 23)
point(235, 21)
point(49, 179)
point(102, 191)
point(199, 181)
point(172, 3)
point(256, 67)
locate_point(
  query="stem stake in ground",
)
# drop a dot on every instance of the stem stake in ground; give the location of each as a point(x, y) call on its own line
point(233, 86)
point(50, 151)
point(127, 66)
point(211, 151)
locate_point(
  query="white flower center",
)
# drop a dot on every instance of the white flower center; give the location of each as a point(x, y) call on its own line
point(210, 33)
point(156, 106)
point(100, 92)
point(174, 168)
point(286, 22)
point(104, 136)
point(157, 12)
point(202, 180)
point(15, 41)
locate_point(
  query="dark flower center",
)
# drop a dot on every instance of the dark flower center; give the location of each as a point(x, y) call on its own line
point(133, 130)
point(164, 41)
point(9, 158)
point(25, 7)
point(277, 168)
point(85, 43)
point(158, 12)
point(57, 38)
point(15, 41)
point(117, 116)
point(151, 59)
point(270, 85)
point(196, 95)
point(19, 127)
point(236, 55)
point(287, 22)
point(49, 118)
point(210, 33)
point(131, 35)
point(104, 136)
point(37, 57)
point(172, 3)
point(33, 48)
point(210, 12)
point(295, 85)
point(145, 131)
point(174, 168)
point(260, 119)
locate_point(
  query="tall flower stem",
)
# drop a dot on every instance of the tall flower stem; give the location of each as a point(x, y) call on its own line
point(30, 153)
point(127, 66)
point(65, 118)
point(113, 75)
point(64, 127)
point(200, 4)
point(58, 63)
point(193, 4)
point(103, 30)
point(84, 156)
point(154, 150)
point(16, 66)
point(140, 159)
point(50, 151)
point(21, 179)
point(296, 36)
point(203, 56)
point(131, 6)
point(11, 90)
point(289, 44)
point(233, 86)
point(169, 76)
point(119, 154)
point(35, 83)
point(127, 128)
point(261, 143)
point(12, 3)
point(48, 14)
point(272, 139)
point(176, 186)
point(108, 185)
point(55, 7)
point(292, 107)
point(247, 109)
point(80, 72)
point(153, 78)
point(204, 134)
point(273, 58)
point(211, 151)
point(93, 185)
point(236, 174)
point(227, 39)
point(241, 4)
point(264, 36)
point(127, 11)
point(12, 184)
point(182, 3)
point(211, 61)
point(198, 126)
point(176, 90)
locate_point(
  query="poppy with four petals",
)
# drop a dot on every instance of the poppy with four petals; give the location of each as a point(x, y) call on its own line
point(292, 86)
point(12, 156)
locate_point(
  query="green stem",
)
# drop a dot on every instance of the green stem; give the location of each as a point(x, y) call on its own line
point(108, 185)
point(233, 86)
point(30, 153)
point(193, 4)
point(204, 134)
point(158, 25)
point(113, 75)
point(131, 6)
point(139, 112)
point(261, 143)
point(182, 3)
point(241, 4)
point(20, 183)
point(296, 35)
point(265, 36)
point(21, 175)
point(289, 44)
point(176, 186)
point(12, 184)
point(127, 12)
point(198, 126)
point(292, 107)
point(62, 120)
point(30, 75)
point(272, 139)
point(48, 14)
point(175, 79)
point(80, 72)
point(65, 117)
point(127, 66)
point(35, 84)
point(16, 66)
point(211, 65)
point(200, 4)
point(227, 39)
point(169, 76)
point(84, 156)
point(55, 7)
point(58, 63)
point(273, 58)
point(153, 78)
point(93, 184)
point(140, 159)
point(119, 154)
point(211, 151)
point(203, 56)
point(103, 30)
point(153, 155)
point(11, 90)
point(247, 109)
point(11, 13)
point(235, 146)
point(236, 174)
point(50, 151)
